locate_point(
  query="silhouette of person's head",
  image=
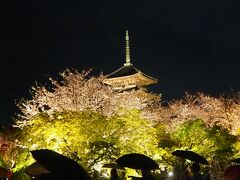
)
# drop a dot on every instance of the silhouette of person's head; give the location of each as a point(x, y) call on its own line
point(114, 174)
point(195, 168)
point(146, 174)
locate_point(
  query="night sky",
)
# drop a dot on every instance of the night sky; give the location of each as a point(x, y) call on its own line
point(189, 45)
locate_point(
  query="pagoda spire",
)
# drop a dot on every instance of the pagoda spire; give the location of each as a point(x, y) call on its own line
point(128, 60)
point(128, 77)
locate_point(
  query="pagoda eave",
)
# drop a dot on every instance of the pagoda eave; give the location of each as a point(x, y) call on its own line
point(136, 80)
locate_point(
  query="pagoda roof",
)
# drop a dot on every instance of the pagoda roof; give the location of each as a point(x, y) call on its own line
point(127, 76)
point(123, 71)
point(128, 70)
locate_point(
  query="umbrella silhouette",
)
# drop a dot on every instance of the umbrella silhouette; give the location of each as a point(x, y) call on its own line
point(190, 155)
point(113, 166)
point(60, 165)
point(36, 169)
point(137, 161)
point(48, 177)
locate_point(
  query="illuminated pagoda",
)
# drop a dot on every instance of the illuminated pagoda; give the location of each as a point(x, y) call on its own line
point(128, 77)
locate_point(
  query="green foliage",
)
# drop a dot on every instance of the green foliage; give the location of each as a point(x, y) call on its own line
point(222, 143)
point(214, 143)
point(82, 118)
point(89, 137)
point(22, 160)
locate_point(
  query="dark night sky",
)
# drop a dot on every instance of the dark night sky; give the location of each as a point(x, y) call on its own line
point(189, 45)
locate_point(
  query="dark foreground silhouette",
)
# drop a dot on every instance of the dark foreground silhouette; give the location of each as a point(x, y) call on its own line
point(58, 167)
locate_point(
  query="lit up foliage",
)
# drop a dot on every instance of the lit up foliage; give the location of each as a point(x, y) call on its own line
point(7, 153)
point(79, 97)
point(87, 136)
point(224, 112)
point(214, 143)
point(219, 126)
point(79, 116)
point(78, 92)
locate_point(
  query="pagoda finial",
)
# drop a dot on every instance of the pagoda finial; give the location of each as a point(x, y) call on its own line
point(128, 63)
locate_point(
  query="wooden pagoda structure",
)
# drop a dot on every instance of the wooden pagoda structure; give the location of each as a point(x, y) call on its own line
point(128, 77)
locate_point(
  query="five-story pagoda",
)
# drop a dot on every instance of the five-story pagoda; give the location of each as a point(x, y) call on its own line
point(128, 77)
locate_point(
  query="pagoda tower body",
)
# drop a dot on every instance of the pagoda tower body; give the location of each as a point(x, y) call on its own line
point(128, 77)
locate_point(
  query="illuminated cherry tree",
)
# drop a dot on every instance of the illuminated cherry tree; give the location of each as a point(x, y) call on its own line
point(79, 92)
point(78, 99)
point(213, 111)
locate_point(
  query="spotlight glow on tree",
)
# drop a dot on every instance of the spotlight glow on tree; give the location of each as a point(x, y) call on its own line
point(89, 136)
point(86, 120)
point(79, 92)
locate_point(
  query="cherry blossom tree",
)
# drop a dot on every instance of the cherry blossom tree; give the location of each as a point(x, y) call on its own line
point(78, 92)
point(213, 111)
